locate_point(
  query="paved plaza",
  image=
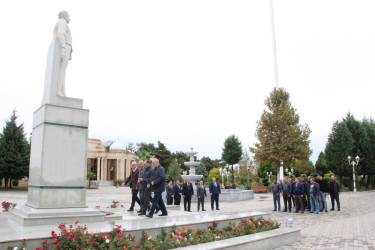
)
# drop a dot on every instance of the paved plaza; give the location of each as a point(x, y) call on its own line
point(351, 228)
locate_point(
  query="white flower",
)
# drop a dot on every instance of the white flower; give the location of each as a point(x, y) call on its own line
point(107, 241)
point(15, 248)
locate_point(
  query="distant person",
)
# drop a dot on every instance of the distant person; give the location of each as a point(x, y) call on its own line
point(276, 190)
point(170, 193)
point(306, 188)
point(323, 193)
point(287, 193)
point(177, 192)
point(298, 192)
point(201, 193)
point(157, 186)
point(334, 191)
point(187, 193)
point(314, 196)
point(133, 179)
point(215, 191)
point(307, 193)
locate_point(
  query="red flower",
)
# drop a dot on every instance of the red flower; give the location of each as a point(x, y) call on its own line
point(24, 239)
point(221, 231)
point(76, 222)
point(57, 245)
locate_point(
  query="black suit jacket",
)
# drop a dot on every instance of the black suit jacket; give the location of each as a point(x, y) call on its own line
point(133, 178)
point(169, 190)
point(187, 190)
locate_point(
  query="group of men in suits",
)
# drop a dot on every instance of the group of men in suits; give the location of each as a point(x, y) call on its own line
point(175, 192)
point(147, 179)
point(310, 194)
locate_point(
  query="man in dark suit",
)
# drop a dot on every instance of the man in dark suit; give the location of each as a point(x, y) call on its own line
point(177, 192)
point(298, 193)
point(170, 192)
point(214, 188)
point(145, 183)
point(187, 193)
point(201, 193)
point(157, 186)
point(133, 179)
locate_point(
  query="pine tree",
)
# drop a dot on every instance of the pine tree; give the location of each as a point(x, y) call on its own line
point(369, 126)
point(232, 152)
point(14, 152)
point(281, 137)
point(321, 164)
point(201, 170)
point(340, 144)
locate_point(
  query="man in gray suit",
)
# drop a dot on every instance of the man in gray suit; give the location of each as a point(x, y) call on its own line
point(201, 193)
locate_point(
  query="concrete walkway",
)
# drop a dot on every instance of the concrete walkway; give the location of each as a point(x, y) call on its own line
point(351, 228)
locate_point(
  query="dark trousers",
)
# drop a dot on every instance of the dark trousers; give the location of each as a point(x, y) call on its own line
point(169, 200)
point(337, 198)
point(187, 200)
point(141, 197)
point(287, 203)
point(299, 203)
point(308, 204)
point(215, 198)
point(158, 201)
point(135, 198)
point(177, 199)
point(146, 199)
point(201, 201)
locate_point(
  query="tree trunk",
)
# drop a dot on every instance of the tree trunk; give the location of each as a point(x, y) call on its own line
point(6, 182)
point(232, 176)
point(10, 183)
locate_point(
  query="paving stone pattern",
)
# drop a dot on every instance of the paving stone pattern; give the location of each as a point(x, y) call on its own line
point(351, 228)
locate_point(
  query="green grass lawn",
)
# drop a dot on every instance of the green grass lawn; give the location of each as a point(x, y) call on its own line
point(16, 189)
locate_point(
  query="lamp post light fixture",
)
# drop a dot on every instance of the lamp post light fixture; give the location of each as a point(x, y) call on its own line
point(289, 171)
point(353, 163)
point(269, 176)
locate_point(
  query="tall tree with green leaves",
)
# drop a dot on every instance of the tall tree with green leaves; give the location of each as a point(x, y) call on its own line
point(281, 136)
point(164, 155)
point(369, 126)
point(321, 164)
point(201, 169)
point(232, 152)
point(14, 151)
point(181, 157)
point(174, 171)
point(340, 144)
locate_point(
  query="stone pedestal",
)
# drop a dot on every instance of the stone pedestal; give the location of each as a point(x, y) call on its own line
point(57, 179)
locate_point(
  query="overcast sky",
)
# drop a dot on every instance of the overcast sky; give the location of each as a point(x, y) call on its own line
point(191, 73)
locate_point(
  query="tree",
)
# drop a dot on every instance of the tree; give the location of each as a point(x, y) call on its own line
point(232, 152)
point(143, 155)
point(181, 157)
point(369, 126)
point(164, 155)
point(131, 148)
point(214, 173)
point(280, 136)
point(321, 164)
point(90, 176)
point(201, 170)
point(340, 144)
point(14, 151)
point(174, 171)
point(303, 167)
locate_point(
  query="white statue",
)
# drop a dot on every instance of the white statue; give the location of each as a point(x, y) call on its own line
point(64, 37)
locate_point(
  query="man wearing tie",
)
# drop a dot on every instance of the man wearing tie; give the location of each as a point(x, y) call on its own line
point(177, 192)
point(187, 193)
point(201, 193)
point(214, 188)
point(298, 192)
point(170, 193)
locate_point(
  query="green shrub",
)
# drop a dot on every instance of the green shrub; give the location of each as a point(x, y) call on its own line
point(15, 183)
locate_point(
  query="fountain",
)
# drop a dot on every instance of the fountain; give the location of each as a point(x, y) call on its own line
point(192, 164)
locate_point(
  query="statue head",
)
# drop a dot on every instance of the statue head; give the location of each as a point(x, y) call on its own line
point(64, 14)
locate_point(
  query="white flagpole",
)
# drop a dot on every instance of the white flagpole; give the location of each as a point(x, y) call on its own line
point(276, 73)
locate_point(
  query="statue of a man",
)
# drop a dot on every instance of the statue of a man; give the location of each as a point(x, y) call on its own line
point(64, 37)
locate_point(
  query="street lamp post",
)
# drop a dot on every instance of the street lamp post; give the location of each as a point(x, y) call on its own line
point(248, 172)
point(269, 176)
point(289, 172)
point(353, 163)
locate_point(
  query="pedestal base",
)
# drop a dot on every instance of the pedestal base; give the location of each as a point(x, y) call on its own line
point(28, 216)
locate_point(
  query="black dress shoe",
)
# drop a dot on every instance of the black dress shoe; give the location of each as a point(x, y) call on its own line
point(163, 215)
point(189, 210)
point(332, 209)
point(217, 208)
point(141, 214)
point(130, 209)
point(274, 210)
point(203, 209)
point(149, 215)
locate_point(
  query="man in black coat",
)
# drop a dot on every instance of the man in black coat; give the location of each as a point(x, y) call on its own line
point(334, 190)
point(157, 186)
point(214, 188)
point(177, 192)
point(133, 179)
point(145, 183)
point(170, 193)
point(187, 193)
point(323, 193)
point(201, 193)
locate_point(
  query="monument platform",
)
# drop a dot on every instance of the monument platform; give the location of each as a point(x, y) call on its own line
point(12, 233)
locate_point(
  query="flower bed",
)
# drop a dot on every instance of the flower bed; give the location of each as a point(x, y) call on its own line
point(6, 205)
point(259, 189)
point(78, 237)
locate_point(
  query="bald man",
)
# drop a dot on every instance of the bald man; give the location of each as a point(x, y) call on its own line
point(133, 179)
